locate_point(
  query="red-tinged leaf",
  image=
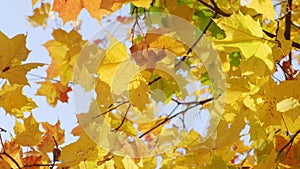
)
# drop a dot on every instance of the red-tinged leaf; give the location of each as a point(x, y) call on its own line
point(54, 92)
point(47, 144)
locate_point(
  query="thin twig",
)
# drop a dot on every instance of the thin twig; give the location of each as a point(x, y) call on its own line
point(123, 120)
point(154, 80)
point(194, 102)
point(37, 165)
point(175, 115)
point(5, 153)
point(56, 145)
point(42, 77)
point(214, 8)
point(290, 142)
point(163, 121)
point(111, 109)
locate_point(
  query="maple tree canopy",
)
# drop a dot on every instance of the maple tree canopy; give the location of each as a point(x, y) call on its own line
point(170, 84)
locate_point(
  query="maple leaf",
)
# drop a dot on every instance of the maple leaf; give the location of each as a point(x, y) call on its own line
point(281, 50)
point(261, 6)
point(40, 16)
point(290, 155)
point(13, 52)
point(30, 129)
point(114, 63)
point(4, 164)
point(83, 149)
point(246, 34)
point(139, 93)
point(14, 150)
point(55, 131)
point(54, 91)
point(14, 102)
point(32, 159)
point(227, 135)
point(67, 10)
point(64, 51)
point(104, 95)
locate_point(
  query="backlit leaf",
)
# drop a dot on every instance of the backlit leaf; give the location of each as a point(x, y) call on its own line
point(64, 51)
point(54, 92)
point(14, 102)
point(30, 129)
point(246, 34)
point(67, 10)
point(47, 144)
point(40, 16)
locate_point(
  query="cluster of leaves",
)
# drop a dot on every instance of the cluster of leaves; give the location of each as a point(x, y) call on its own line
point(253, 41)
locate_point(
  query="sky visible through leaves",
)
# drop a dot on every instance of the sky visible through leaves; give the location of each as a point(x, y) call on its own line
point(218, 79)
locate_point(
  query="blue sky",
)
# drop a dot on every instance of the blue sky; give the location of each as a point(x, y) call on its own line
point(13, 21)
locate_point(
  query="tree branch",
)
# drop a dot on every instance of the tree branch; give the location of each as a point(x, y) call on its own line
point(288, 23)
point(4, 151)
point(123, 120)
point(214, 8)
point(37, 165)
point(290, 142)
point(111, 109)
point(170, 116)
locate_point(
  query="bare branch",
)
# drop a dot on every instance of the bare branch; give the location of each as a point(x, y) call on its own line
point(290, 142)
point(214, 8)
point(170, 116)
point(123, 120)
point(37, 165)
point(111, 109)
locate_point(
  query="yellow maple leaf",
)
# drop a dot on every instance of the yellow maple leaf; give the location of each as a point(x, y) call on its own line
point(139, 93)
point(116, 54)
point(98, 8)
point(12, 48)
point(226, 135)
point(264, 7)
point(84, 149)
point(104, 95)
point(246, 34)
point(54, 91)
point(269, 106)
point(30, 129)
point(13, 52)
point(40, 16)
point(279, 52)
point(64, 51)
point(14, 102)
point(16, 74)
